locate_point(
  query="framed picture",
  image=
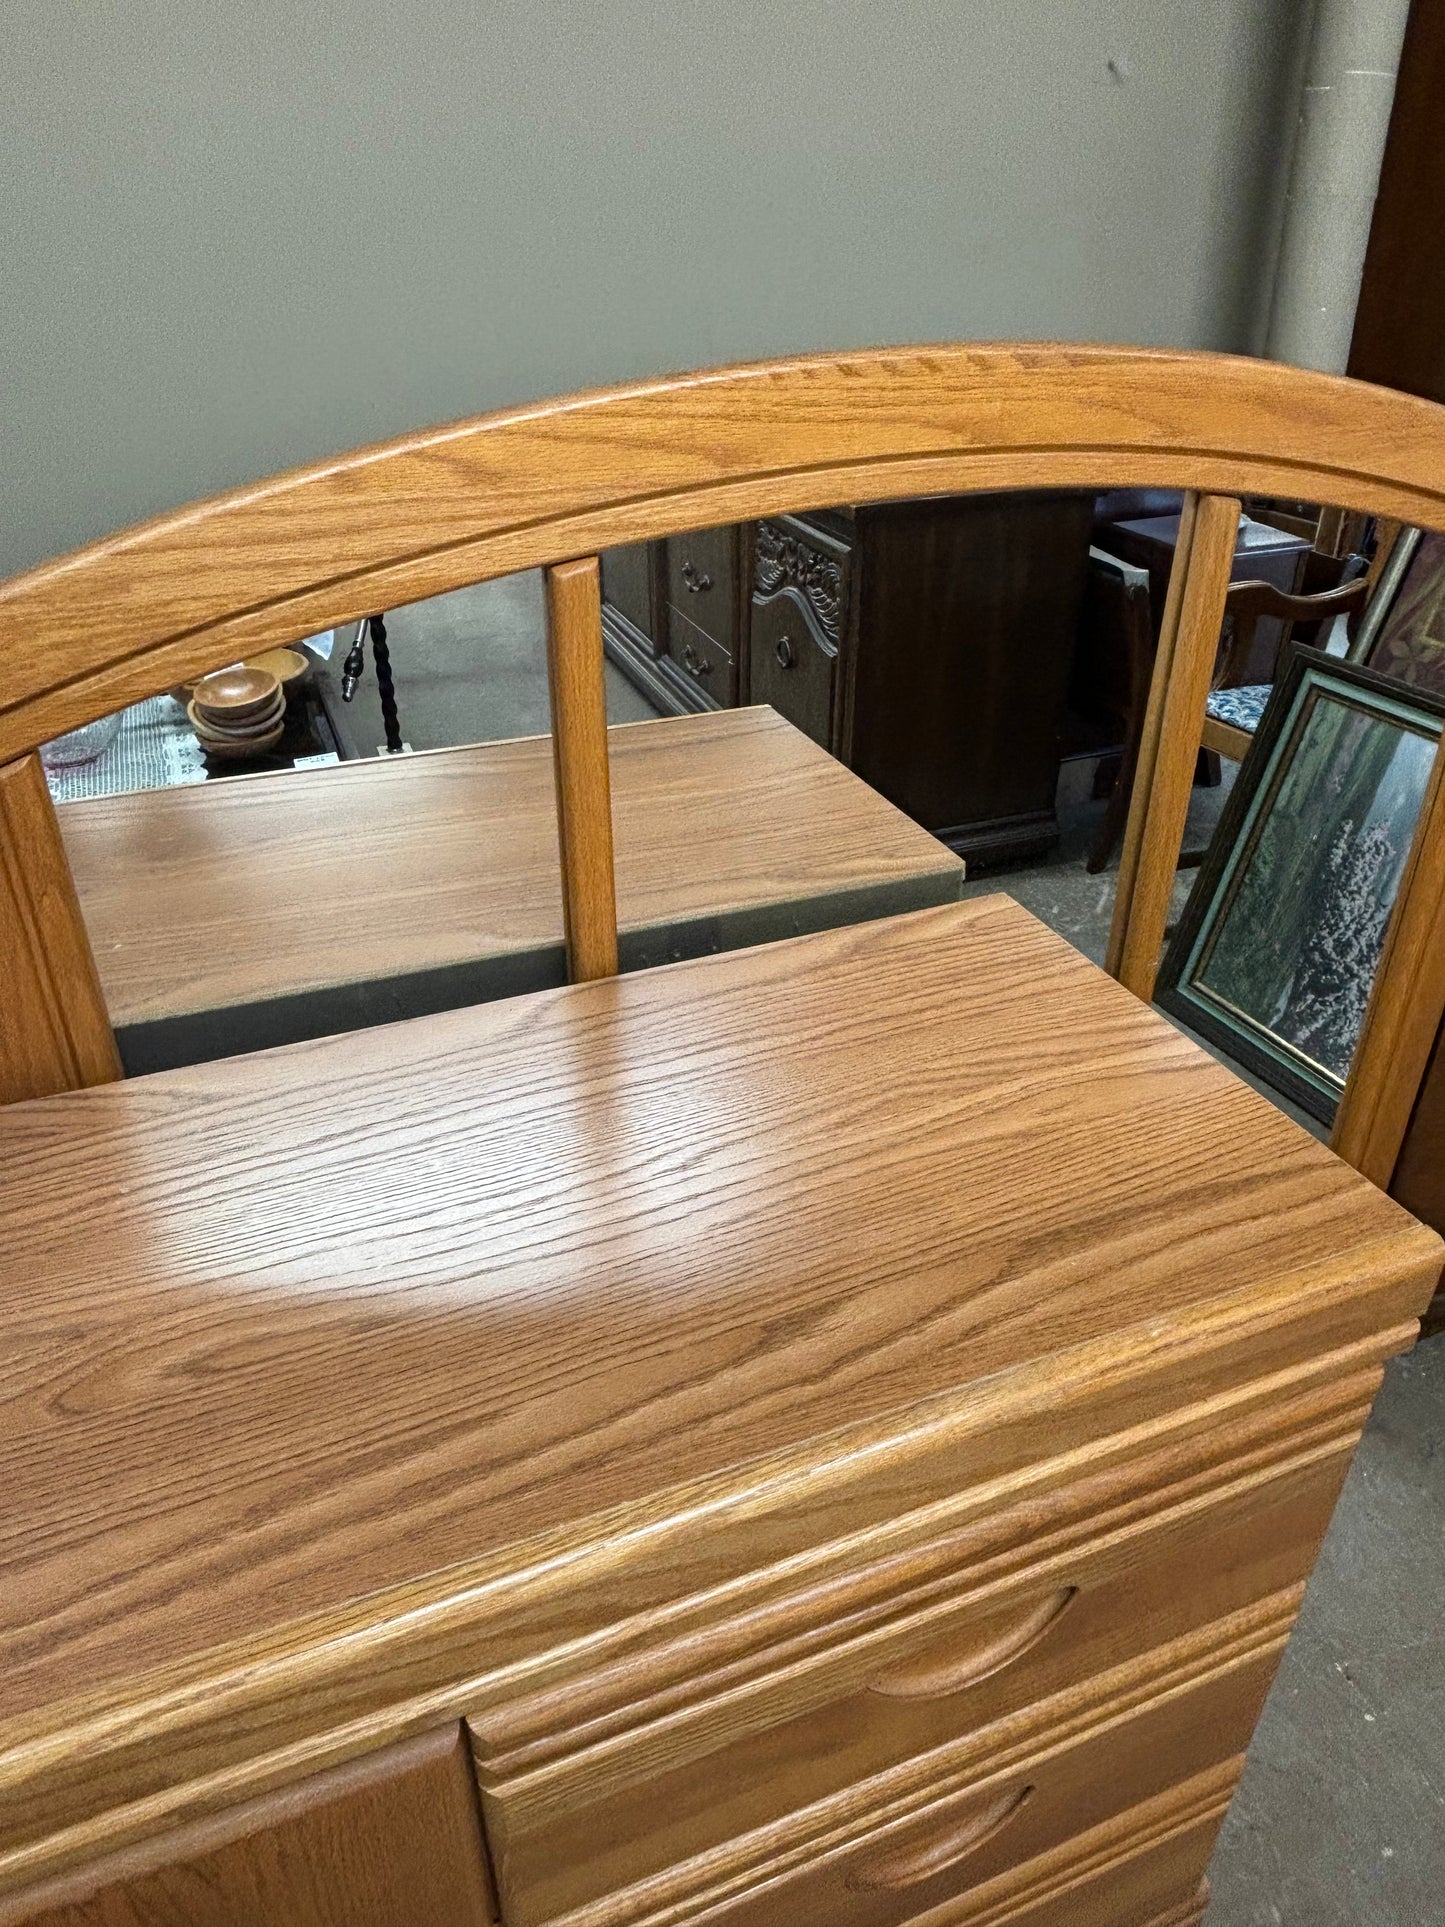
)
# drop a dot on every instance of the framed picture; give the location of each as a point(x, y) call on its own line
point(1276, 951)
point(1403, 631)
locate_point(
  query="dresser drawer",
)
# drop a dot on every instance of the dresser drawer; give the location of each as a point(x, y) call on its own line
point(957, 1858)
point(796, 621)
point(791, 668)
point(703, 660)
point(626, 1811)
point(702, 582)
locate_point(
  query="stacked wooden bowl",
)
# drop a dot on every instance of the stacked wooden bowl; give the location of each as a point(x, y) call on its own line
point(238, 712)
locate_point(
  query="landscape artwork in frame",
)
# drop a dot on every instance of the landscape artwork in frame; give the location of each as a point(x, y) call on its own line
point(1403, 631)
point(1276, 951)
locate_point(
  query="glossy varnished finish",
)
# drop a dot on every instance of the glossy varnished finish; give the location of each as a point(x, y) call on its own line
point(888, 1707)
point(1418, 1180)
point(580, 773)
point(411, 1380)
point(392, 1841)
point(551, 1271)
point(538, 485)
point(1406, 1004)
point(1147, 760)
point(239, 893)
point(644, 1371)
point(55, 1034)
point(1184, 690)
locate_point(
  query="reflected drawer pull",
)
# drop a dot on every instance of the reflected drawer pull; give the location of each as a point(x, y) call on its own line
point(695, 579)
point(698, 665)
point(912, 1864)
point(784, 651)
point(927, 1680)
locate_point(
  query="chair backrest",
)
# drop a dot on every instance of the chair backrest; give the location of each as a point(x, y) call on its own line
point(550, 485)
point(1246, 602)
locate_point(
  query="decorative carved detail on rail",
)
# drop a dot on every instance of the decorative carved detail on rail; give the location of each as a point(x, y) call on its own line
point(781, 561)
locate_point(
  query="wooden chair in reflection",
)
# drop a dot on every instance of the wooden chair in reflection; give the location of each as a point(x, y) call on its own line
point(1233, 707)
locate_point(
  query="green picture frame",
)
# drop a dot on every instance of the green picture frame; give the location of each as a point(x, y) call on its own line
point(1275, 954)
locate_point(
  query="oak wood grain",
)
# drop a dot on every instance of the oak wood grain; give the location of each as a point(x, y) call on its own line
point(503, 1305)
point(504, 1287)
point(590, 1825)
point(236, 892)
point(1189, 1709)
point(1144, 1867)
point(54, 1031)
point(1406, 1004)
point(1225, 739)
point(1206, 568)
point(579, 753)
point(389, 1841)
point(851, 1520)
point(1147, 756)
point(536, 485)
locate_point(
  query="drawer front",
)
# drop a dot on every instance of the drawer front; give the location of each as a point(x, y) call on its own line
point(610, 1816)
point(796, 623)
point(958, 1858)
point(791, 668)
point(702, 582)
point(701, 659)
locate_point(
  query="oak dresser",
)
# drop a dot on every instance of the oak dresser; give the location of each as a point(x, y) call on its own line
point(841, 1427)
point(829, 1434)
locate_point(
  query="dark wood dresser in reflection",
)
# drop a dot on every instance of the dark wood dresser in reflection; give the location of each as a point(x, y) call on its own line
point(926, 644)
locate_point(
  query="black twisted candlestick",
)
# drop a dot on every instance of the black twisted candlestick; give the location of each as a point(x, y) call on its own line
point(385, 688)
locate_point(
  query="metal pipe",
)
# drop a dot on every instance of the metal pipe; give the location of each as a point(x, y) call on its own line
point(1339, 144)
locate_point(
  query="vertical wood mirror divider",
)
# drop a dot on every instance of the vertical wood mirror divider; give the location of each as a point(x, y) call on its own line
point(629, 1541)
point(1406, 1007)
point(1188, 645)
point(403, 535)
point(55, 1034)
point(578, 693)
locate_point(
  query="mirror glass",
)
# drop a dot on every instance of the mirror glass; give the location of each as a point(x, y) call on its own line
point(816, 718)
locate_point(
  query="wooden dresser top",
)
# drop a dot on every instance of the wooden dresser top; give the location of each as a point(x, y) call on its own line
point(284, 1329)
point(236, 892)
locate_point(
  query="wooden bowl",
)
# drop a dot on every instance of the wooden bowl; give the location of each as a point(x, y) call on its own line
point(237, 749)
point(231, 694)
point(245, 731)
point(288, 666)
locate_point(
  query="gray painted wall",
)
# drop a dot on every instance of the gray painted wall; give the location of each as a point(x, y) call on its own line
point(236, 237)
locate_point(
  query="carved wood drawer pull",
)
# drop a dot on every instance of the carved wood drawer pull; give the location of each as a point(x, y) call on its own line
point(925, 1679)
point(912, 1864)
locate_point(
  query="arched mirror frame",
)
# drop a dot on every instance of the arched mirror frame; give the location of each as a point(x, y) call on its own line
point(549, 486)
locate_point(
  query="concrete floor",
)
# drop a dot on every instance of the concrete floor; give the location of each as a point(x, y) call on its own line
point(1340, 1818)
point(471, 668)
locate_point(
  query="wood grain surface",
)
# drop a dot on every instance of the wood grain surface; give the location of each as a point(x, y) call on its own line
point(579, 760)
point(1191, 1708)
point(232, 893)
point(433, 511)
point(314, 1322)
point(55, 1034)
point(1183, 678)
point(589, 1824)
point(391, 1841)
point(1406, 1004)
point(1148, 751)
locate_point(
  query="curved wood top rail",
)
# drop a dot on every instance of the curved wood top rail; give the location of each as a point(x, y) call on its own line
point(434, 511)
